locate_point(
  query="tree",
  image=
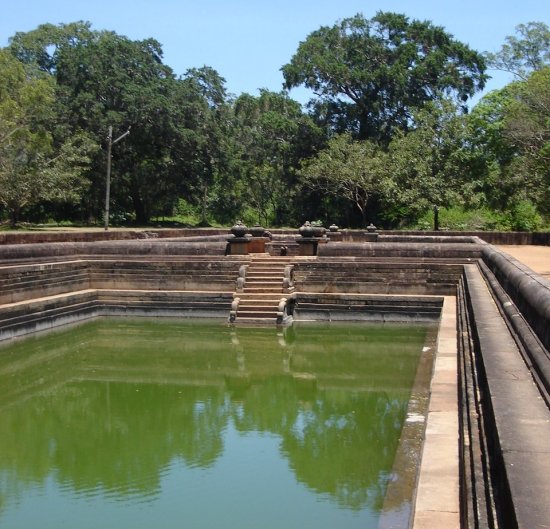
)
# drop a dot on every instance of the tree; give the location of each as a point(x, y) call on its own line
point(348, 168)
point(527, 128)
point(373, 73)
point(113, 81)
point(272, 134)
point(526, 53)
point(32, 167)
point(431, 165)
point(205, 142)
point(486, 129)
point(40, 46)
point(510, 127)
point(527, 121)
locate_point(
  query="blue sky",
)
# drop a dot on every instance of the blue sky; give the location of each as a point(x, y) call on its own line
point(247, 42)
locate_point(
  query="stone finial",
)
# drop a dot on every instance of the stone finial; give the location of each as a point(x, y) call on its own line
point(239, 229)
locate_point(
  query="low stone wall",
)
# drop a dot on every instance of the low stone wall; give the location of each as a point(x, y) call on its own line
point(349, 307)
point(113, 235)
point(491, 237)
point(362, 276)
point(19, 283)
point(416, 250)
point(529, 291)
point(202, 234)
point(41, 314)
point(199, 274)
point(504, 421)
point(27, 281)
point(18, 252)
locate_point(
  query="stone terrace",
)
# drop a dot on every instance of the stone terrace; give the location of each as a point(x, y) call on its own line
point(498, 344)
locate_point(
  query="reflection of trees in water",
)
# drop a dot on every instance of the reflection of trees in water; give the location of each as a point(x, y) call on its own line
point(346, 447)
point(120, 436)
point(337, 442)
point(113, 436)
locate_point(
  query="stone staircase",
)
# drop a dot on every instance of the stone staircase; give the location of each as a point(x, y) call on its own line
point(262, 292)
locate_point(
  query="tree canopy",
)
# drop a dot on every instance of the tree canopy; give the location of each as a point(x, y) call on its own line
point(353, 170)
point(375, 72)
point(527, 52)
point(386, 137)
point(431, 166)
point(32, 168)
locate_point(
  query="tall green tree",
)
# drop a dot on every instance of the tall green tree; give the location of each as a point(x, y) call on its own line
point(369, 75)
point(104, 79)
point(205, 139)
point(432, 166)
point(33, 168)
point(354, 170)
point(272, 135)
point(510, 127)
point(40, 47)
point(527, 128)
point(486, 123)
point(113, 81)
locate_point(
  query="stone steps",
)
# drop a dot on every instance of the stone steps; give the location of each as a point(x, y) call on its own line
point(257, 314)
point(263, 290)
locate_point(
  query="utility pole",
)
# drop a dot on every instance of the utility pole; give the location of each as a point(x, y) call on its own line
point(110, 144)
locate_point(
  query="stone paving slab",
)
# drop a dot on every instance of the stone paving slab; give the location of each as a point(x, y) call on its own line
point(535, 257)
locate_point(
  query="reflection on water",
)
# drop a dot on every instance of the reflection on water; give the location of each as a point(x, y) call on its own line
point(194, 424)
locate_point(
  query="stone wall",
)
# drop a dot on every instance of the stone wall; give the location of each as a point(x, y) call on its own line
point(511, 238)
point(504, 404)
point(358, 307)
point(113, 235)
point(528, 291)
point(19, 252)
point(416, 250)
point(189, 274)
point(46, 313)
point(364, 276)
point(20, 283)
point(49, 284)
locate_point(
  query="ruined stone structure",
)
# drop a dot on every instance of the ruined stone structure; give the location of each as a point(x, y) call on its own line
point(502, 323)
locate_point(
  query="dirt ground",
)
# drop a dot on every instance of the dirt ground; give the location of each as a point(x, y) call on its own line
point(535, 257)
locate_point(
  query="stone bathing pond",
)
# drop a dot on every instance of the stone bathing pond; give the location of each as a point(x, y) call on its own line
point(121, 418)
point(125, 423)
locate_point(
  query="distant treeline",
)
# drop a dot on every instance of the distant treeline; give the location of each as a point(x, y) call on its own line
point(387, 137)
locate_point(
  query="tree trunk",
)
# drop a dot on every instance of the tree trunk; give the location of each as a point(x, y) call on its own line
point(14, 206)
point(363, 211)
point(204, 205)
point(436, 218)
point(142, 216)
point(14, 214)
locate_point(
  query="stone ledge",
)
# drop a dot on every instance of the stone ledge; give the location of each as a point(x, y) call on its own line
point(26, 317)
point(438, 492)
point(518, 420)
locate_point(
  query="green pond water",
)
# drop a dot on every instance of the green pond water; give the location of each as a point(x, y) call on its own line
point(193, 424)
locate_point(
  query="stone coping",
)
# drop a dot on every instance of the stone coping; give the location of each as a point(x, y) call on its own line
point(437, 495)
point(518, 419)
point(99, 234)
